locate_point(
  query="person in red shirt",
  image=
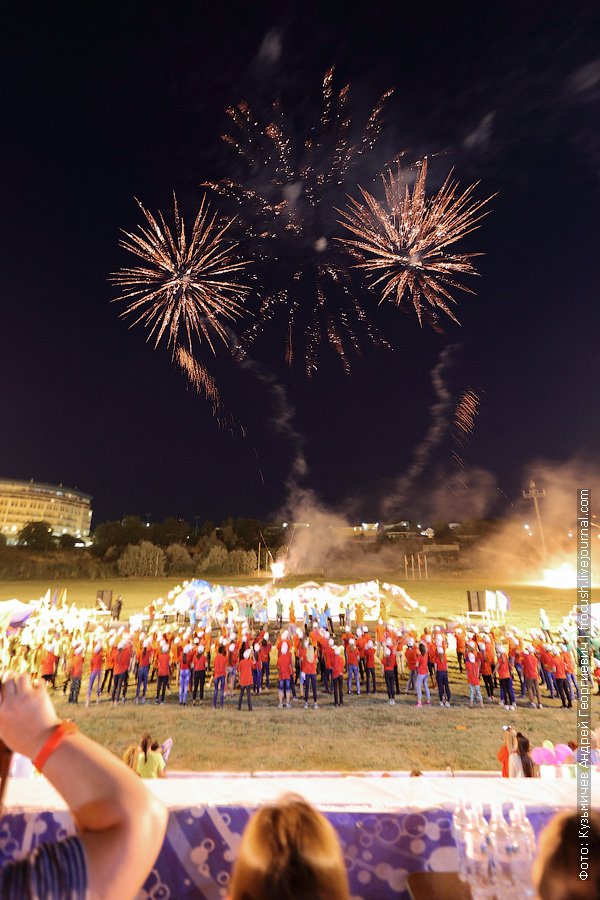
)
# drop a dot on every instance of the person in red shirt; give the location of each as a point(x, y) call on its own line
point(123, 658)
point(486, 672)
point(531, 674)
point(473, 666)
point(547, 660)
point(186, 658)
point(144, 656)
point(199, 665)
point(309, 668)
point(257, 670)
point(423, 674)
point(507, 694)
point(264, 654)
point(441, 672)
point(570, 669)
point(509, 746)
point(284, 668)
point(76, 673)
point(163, 668)
point(361, 640)
point(389, 662)
point(560, 678)
point(219, 675)
point(461, 643)
point(370, 666)
point(233, 658)
point(338, 677)
point(328, 656)
point(109, 667)
point(411, 661)
point(95, 673)
point(48, 666)
point(245, 674)
point(352, 657)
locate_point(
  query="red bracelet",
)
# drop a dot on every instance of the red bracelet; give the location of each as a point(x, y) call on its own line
point(52, 743)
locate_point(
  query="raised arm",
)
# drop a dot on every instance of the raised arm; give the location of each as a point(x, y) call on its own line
point(121, 824)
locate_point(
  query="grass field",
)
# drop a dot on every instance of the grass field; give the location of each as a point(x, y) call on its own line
point(366, 734)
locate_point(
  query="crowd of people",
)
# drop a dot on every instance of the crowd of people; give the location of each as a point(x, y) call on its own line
point(212, 662)
point(288, 849)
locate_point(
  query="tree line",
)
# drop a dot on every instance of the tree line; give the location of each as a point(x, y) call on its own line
point(132, 547)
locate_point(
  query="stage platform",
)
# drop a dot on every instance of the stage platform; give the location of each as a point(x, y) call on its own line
point(389, 824)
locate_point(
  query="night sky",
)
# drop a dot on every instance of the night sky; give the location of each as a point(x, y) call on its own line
point(106, 101)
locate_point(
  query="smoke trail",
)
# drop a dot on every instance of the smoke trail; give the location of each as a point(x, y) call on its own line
point(439, 411)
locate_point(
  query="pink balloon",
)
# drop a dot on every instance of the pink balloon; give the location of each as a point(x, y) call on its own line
point(562, 752)
point(536, 755)
point(548, 757)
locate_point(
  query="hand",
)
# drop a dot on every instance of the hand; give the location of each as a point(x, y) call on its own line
point(27, 716)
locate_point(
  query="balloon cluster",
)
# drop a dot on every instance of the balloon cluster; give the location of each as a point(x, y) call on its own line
point(549, 755)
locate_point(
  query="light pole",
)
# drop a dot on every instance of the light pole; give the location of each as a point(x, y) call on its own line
point(534, 494)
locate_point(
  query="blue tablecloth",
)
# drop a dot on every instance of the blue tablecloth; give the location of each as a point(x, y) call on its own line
point(380, 849)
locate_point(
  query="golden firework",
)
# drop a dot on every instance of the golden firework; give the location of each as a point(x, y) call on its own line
point(403, 242)
point(287, 205)
point(188, 286)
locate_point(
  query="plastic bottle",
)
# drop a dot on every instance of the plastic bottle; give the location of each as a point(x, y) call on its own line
point(460, 818)
point(477, 856)
point(501, 851)
point(523, 842)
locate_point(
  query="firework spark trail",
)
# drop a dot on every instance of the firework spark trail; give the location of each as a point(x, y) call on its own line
point(465, 413)
point(402, 243)
point(199, 377)
point(188, 289)
point(288, 207)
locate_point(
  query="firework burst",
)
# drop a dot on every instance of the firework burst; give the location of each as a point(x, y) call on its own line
point(188, 287)
point(187, 290)
point(402, 244)
point(287, 205)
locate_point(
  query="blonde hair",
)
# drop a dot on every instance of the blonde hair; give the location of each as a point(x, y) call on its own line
point(130, 757)
point(289, 851)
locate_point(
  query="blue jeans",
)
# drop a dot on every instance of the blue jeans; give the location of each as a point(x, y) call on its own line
point(184, 684)
point(475, 692)
point(371, 679)
point(142, 681)
point(422, 682)
point(95, 676)
point(571, 678)
point(519, 670)
point(219, 685)
point(353, 673)
point(443, 686)
point(549, 682)
point(411, 684)
point(266, 673)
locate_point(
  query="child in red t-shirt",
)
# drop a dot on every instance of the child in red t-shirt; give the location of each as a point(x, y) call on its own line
point(338, 677)
point(219, 675)
point(370, 666)
point(309, 668)
point(410, 655)
point(76, 673)
point(245, 676)
point(472, 666)
point(389, 662)
point(284, 669)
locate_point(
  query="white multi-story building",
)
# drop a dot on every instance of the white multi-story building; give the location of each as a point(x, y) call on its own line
point(67, 511)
